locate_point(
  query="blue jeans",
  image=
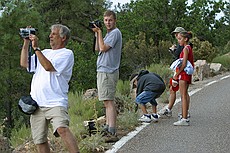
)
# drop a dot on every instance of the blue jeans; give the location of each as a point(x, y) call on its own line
point(147, 96)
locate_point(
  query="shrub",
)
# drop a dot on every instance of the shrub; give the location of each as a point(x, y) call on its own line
point(224, 60)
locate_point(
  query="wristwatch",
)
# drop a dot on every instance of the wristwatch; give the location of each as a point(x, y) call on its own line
point(37, 49)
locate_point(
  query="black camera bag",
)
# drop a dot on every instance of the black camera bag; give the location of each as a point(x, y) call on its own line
point(27, 105)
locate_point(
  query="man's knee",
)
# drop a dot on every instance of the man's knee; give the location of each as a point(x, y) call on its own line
point(62, 131)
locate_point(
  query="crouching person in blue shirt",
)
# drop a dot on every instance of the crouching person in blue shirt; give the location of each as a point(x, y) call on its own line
point(149, 87)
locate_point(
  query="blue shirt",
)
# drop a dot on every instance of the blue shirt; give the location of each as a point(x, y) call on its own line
point(109, 61)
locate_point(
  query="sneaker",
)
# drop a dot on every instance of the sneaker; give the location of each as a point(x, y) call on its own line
point(154, 117)
point(182, 122)
point(145, 118)
point(110, 137)
point(180, 117)
point(167, 112)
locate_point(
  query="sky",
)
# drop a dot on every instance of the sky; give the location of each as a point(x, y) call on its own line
point(115, 2)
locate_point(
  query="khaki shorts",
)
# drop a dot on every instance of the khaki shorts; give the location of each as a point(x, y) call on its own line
point(57, 116)
point(106, 85)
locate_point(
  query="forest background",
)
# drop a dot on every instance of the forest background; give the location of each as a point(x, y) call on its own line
point(146, 27)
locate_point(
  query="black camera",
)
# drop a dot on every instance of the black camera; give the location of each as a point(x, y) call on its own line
point(98, 23)
point(172, 49)
point(25, 32)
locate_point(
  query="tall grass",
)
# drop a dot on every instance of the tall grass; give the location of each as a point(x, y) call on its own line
point(224, 60)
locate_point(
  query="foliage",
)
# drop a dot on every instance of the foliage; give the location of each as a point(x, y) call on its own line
point(226, 48)
point(224, 60)
point(84, 109)
point(94, 143)
point(128, 120)
point(139, 53)
point(162, 70)
point(203, 50)
point(123, 87)
point(20, 136)
point(84, 70)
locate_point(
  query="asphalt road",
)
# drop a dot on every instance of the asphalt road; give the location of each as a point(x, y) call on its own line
point(209, 130)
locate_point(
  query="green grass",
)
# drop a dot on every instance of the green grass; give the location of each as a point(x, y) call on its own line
point(224, 60)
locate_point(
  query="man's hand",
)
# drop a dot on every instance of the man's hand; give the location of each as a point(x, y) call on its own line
point(96, 29)
point(34, 40)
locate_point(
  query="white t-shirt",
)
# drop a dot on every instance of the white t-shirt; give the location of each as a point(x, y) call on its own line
point(50, 89)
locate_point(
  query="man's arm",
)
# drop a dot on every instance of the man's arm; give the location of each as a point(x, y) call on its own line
point(101, 46)
point(47, 65)
point(24, 53)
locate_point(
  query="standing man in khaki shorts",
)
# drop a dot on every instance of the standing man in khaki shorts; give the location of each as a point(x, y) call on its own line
point(108, 63)
point(49, 87)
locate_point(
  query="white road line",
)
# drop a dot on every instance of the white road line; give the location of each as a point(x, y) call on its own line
point(130, 135)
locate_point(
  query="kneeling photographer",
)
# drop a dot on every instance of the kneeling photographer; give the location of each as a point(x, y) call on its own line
point(49, 86)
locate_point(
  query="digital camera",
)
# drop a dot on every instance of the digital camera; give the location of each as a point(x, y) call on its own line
point(25, 32)
point(172, 49)
point(98, 23)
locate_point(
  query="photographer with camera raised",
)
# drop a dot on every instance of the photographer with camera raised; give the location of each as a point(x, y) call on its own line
point(108, 63)
point(49, 87)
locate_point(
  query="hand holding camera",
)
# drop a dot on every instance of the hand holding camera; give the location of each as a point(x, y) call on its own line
point(28, 33)
point(25, 32)
point(172, 49)
point(98, 24)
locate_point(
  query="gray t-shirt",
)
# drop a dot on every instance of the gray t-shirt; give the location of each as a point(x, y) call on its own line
point(109, 61)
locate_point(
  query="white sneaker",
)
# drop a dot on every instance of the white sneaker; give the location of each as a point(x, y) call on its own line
point(154, 117)
point(182, 122)
point(180, 117)
point(145, 118)
point(166, 112)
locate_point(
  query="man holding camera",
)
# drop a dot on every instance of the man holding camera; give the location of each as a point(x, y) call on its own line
point(108, 63)
point(49, 87)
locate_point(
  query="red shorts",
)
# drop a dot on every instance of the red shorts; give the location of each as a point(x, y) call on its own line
point(174, 88)
point(184, 76)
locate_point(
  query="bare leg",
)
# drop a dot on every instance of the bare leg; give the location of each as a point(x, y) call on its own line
point(172, 98)
point(154, 109)
point(143, 108)
point(43, 148)
point(188, 97)
point(69, 139)
point(111, 113)
point(184, 98)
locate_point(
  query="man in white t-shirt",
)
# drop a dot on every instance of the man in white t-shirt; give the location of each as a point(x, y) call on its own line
point(49, 87)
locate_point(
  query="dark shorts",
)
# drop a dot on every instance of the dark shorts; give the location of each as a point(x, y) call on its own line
point(148, 96)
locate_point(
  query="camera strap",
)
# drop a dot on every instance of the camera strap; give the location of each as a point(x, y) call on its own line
point(29, 57)
point(94, 44)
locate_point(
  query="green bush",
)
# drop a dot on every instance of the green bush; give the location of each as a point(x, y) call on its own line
point(224, 60)
point(203, 50)
point(20, 136)
point(128, 120)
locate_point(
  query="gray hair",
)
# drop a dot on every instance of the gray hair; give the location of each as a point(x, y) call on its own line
point(63, 31)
